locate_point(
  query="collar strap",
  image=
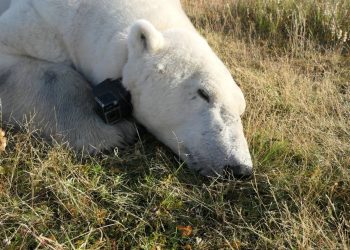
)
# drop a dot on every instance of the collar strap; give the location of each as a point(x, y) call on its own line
point(113, 101)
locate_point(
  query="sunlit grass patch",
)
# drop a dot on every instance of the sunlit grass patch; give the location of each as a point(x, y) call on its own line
point(289, 23)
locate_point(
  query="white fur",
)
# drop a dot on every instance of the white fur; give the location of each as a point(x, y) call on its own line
point(163, 62)
point(4, 5)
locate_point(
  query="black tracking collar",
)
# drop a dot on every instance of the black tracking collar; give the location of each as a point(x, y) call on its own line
point(113, 101)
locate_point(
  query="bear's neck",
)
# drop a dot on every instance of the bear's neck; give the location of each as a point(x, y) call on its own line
point(103, 59)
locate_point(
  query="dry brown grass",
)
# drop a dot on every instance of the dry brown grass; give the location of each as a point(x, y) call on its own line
point(298, 126)
point(291, 24)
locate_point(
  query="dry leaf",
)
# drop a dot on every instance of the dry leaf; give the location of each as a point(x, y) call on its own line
point(186, 231)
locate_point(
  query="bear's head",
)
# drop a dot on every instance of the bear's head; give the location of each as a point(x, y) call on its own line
point(185, 96)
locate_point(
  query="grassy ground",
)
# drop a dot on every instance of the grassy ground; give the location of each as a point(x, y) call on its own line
point(297, 124)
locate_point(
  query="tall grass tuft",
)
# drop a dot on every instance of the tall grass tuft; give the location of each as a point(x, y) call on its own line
point(282, 22)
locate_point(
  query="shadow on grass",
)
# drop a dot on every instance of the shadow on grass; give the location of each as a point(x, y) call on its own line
point(141, 195)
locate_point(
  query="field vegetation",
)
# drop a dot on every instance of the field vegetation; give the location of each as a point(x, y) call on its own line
point(292, 61)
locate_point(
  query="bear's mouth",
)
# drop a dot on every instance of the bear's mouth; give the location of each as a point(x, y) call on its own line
point(200, 166)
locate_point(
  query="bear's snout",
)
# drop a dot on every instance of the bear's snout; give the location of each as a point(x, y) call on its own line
point(241, 172)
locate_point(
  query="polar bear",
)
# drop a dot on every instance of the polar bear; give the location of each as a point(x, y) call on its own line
point(51, 51)
point(4, 5)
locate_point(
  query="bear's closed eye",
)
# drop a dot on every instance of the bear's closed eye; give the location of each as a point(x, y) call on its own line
point(203, 94)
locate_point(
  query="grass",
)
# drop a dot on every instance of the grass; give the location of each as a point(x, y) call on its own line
point(287, 23)
point(298, 128)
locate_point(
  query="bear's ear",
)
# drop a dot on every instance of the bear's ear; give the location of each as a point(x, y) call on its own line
point(144, 37)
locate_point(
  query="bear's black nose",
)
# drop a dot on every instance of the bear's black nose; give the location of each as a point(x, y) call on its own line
point(240, 172)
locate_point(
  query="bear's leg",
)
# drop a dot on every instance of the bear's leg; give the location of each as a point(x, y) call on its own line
point(59, 102)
